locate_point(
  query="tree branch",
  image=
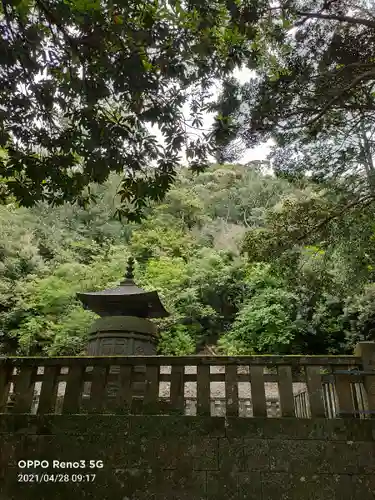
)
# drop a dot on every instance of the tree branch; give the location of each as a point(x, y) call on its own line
point(368, 161)
point(367, 200)
point(332, 101)
point(333, 17)
point(50, 17)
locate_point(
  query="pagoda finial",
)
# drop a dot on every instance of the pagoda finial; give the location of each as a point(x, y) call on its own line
point(130, 269)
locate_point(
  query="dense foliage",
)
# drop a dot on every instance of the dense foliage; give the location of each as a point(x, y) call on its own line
point(310, 299)
point(315, 75)
point(81, 81)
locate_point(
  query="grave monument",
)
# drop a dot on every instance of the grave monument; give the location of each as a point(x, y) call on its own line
point(124, 327)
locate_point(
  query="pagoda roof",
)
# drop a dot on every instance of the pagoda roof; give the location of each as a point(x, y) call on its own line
point(124, 289)
point(126, 299)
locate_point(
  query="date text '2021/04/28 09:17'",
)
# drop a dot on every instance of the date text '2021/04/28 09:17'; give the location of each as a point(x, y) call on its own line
point(55, 478)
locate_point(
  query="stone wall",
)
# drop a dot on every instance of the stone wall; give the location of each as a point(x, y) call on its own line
point(192, 458)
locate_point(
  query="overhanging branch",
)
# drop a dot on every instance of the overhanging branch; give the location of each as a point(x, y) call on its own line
point(333, 17)
point(332, 101)
point(367, 200)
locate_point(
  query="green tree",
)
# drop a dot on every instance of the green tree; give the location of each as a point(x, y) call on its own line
point(82, 81)
point(47, 317)
point(203, 296)
point(315, 74)
point(265, 325)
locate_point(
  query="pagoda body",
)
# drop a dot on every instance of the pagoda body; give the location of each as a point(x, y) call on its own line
point(124, 327)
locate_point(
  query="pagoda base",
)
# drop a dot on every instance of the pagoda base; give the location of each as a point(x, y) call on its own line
point(122, 336)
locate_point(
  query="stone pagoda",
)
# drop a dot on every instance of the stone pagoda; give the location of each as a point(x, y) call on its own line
point(124, 327)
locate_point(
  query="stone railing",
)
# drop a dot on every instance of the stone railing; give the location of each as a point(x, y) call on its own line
point(248, 386)
point(332, 410)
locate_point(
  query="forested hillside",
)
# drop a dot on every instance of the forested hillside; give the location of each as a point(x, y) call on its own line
point(216, 251)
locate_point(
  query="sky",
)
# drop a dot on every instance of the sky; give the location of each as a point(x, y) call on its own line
point(258, 153)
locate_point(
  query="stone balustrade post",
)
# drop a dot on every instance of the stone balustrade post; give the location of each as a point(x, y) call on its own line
point(366, 351)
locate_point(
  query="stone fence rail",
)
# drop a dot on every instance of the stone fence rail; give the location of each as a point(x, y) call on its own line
point(248, 386)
